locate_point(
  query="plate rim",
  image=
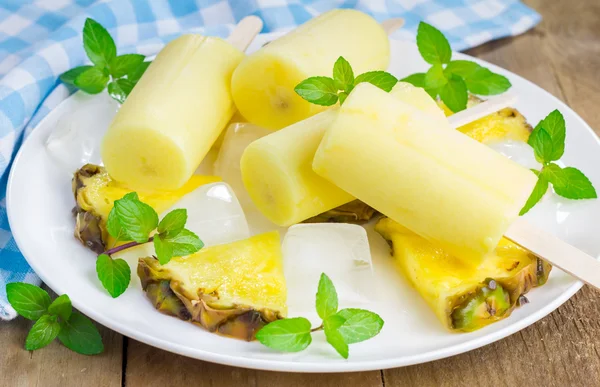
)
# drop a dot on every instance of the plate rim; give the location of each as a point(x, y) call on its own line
point(302, 366)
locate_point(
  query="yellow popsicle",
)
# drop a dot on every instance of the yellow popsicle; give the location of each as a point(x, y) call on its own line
point(435, 181)
point(263, 85)
point(173, 115)
point(277, 169)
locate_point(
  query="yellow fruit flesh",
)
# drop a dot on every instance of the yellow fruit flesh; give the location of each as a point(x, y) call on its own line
point(243, 273)
point(263, 84)
point(277, 169)
point(174, 114)
point(438, 182)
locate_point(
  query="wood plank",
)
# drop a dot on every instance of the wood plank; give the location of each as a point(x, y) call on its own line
point(56, 365)
point(149, 366)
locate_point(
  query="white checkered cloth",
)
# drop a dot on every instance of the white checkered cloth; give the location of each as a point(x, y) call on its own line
point(40, 40)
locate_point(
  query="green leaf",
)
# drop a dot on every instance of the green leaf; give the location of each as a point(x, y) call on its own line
point(463, 68)
point(114, 274)
point(136, 218)
point(542, 145)
point(185, 243)
point(69, 76)
point(318, 90)
point(569, 182)
point(92, 80)
point(163, 249)
point(61, 307)
point(124, 64)
point(119, 90)
point(539, 190)
point(554, 124)
point(287, 335)
point(435, 78)
point(173, 222)
point(135, 74)
point(43, 332)
point(417, 79)
point(382, 79)
point(359, 325)
point(433, 45)
point(79, 334)
point(333, 336)
point(485, 82)
point(28, 300)
point(327, 299)
point(114, 227)
point(343, 95)
point(454, 94)
point(98, 44)
point(342, 73)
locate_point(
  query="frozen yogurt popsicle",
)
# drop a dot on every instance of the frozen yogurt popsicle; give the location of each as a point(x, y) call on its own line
point(263, 85)
point(435, 181)
point(173, 115)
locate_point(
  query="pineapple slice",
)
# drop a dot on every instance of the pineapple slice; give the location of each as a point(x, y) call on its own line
point(505, 124)
point(463, 297)
point(95, 192)
point(232, 289)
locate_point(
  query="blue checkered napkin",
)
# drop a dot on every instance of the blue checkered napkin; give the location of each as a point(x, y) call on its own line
point(40, 40)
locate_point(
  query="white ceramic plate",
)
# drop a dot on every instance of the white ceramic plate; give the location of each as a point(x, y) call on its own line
point(40, 201)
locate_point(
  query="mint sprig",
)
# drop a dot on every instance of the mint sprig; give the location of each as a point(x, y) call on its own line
point(53, 320)
point(326, 91)
point(548, 142)
point(341, 328)
point(133, 221)
point(452, 79)
point(120, 73)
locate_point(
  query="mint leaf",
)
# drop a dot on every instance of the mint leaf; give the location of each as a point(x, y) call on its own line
point(333, 336)
point(343, 74)
point(173, 222)
point(136, 218)
point(569, 182)
point(163, 249)
point(318, 90)
point(124, 64)
point(114, 227)
point(327, 299)
point(92, 80)
point(435, 78)
point(28, 300)
point(288, 335)
point(98, 44)
point(417, 79)
point(119, 90)
point(135, 74)
point(382, 79)
point(539, 190)
point(433, 45)
point(342, 96)
point(554, 124)
point(69, 76)
point(542, 145)
point(43, 332)
point(80, 335)
point(454, 94)
point(485, 82)
point(114, 274)
point(359, 325)
point(61, 307)
point(185, 243)
point(462, 68)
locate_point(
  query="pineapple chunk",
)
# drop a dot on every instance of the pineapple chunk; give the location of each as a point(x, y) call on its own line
point(95, 192)
point(232, 289)
point(463, 297)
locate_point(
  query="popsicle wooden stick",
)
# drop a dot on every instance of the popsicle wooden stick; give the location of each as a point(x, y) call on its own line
point(483, 109)
point(245, 31)
point(560, 254)
point(391, 25)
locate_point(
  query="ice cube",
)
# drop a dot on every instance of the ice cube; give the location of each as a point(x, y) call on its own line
point(517, 151)
point(76, 139)
point(227, 165)
point(341, 251)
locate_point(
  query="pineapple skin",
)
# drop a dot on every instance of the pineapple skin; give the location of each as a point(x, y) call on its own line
point(232, 289)
point(446, 284)
point(95, 192)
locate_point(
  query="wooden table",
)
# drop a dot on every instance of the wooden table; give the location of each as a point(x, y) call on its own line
point(562, 55)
